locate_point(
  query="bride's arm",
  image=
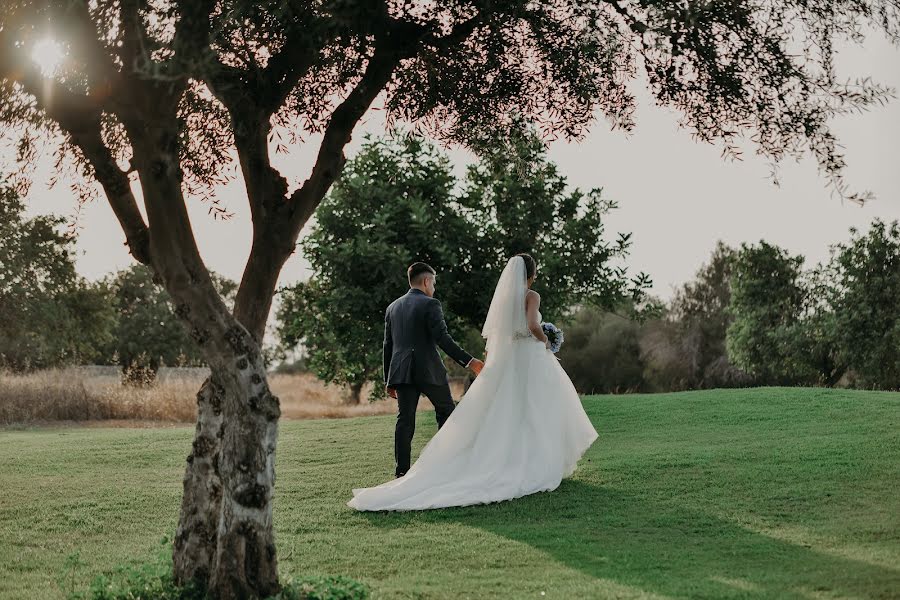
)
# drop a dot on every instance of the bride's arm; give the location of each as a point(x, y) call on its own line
point(532, 303)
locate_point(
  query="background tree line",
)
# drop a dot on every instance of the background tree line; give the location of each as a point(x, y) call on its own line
point(751, 316)
point(755, 316)
point(51, 317)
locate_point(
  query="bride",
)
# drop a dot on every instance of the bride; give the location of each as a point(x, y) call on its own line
point(519, 429)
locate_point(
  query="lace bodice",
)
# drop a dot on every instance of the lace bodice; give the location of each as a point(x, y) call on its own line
point(526, 333)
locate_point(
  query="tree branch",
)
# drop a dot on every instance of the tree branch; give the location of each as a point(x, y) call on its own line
point(286, 68)
point(394, 44)
point(81, 29)
point(458, 33)
point(635, 24)
point(61, 104)
point(118, 189)
point(330, 158)
point(193, 28)
point(133, 36)
point(277, 222)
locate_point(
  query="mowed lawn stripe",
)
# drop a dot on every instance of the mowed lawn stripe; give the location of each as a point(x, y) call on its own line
point(757, 493)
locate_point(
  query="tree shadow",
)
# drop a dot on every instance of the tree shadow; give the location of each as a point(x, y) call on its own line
point(656, 545)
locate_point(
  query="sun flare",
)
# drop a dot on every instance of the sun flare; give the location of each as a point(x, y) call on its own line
point(49, 55)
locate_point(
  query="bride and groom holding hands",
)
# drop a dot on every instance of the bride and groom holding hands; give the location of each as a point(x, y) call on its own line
point(519, 429)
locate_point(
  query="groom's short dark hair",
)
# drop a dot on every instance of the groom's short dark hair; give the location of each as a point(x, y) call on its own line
point(417, 271)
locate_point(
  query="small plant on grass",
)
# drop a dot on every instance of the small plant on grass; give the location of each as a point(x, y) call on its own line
point(66, 578)
point(323, 588)
point(154, 581)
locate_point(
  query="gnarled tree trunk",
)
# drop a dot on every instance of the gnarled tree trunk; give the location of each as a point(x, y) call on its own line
point(225, 537)
point(197, 533)
point(245, 563)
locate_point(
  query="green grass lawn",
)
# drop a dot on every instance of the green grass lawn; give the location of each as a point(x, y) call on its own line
point(762, 493)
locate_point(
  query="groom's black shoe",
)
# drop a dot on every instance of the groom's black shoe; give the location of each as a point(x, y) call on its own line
point(399, 475)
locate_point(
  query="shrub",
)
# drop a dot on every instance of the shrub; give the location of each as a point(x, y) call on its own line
point(148, 581)
point(601, 353)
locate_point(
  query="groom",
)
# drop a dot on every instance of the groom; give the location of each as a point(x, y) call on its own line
point(414, 327)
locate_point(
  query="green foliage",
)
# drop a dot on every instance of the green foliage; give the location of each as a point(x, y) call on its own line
point(93, 329)
point(819, 335)
point(52, 317)
point(767, 305)
point(147, 333)
point(155, 581)
point(323, 588)
point(518, 201)
point(601, 353)
point(396, 204)
point(701, 310)
point(48, 315)
point(392, 206)
point(814, 327)
point(687, 349)
point(655, 349)
point(866, 314)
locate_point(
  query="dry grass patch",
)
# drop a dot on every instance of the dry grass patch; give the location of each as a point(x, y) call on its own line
point(83, 396)
point(76, 395)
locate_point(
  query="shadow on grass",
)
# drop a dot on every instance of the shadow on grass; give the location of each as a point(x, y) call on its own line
point(656, 546)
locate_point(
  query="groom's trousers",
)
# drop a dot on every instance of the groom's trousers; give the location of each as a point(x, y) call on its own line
point(407, 401)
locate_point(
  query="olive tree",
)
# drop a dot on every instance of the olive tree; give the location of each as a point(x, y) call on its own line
point(159, 94)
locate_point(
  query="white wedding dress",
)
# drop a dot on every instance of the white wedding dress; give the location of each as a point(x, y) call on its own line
point(519, 429)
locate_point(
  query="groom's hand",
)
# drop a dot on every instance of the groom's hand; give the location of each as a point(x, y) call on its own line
point(392, 392)
point(476, 366)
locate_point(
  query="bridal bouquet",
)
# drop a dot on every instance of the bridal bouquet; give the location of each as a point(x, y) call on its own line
point(555, 335)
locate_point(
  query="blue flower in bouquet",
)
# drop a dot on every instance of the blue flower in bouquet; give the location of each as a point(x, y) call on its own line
point(555, 335)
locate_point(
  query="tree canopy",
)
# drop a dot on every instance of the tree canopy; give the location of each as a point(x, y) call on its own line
point(459, 70)
point(767, 302)
point(398, 202)
point(862, 298)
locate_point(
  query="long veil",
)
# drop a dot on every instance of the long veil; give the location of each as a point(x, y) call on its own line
point(506, 315)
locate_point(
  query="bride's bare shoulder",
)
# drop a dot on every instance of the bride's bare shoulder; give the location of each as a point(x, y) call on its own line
point(532, 296)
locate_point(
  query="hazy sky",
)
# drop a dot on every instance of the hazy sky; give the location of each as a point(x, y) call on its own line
point(676, 196)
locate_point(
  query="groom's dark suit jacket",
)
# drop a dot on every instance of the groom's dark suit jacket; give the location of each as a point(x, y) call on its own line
point(414, 327)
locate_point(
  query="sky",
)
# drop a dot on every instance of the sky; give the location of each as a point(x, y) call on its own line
point(676, 196)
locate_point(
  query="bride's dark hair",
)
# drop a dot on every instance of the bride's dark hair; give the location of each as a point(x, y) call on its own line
point(530, 265)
